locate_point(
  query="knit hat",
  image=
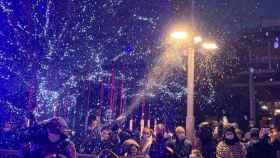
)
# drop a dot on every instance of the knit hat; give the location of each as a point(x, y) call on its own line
point(229, 128)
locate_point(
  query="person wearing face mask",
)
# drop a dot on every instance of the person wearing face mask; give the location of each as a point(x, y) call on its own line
point(230, 146)
point(181, 145)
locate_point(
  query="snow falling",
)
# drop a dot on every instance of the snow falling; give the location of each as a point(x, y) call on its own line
point(70, 57)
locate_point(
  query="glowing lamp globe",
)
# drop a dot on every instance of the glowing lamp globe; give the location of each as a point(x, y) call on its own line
point(179, 35)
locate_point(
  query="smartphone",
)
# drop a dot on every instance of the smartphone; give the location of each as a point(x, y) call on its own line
point(266, 130)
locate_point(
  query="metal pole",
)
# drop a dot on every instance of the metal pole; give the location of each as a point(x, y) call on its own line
point(190, 94)
point(269, 55)
point(252, 97)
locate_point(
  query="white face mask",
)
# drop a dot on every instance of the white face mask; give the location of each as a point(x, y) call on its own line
point(53, 137)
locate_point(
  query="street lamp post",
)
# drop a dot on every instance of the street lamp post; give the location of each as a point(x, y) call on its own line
point(181, 36)
point(190, 93)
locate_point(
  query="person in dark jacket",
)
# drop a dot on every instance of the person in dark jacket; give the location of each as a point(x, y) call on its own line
point(92, 139)
point(253, 145)
point(207, 142)
point(274, 140)
point(106, 142)
point(115, 139)
point(159, 147)
point(268, 143)
point(8, 137)
point(49, 139)
point(180, 144)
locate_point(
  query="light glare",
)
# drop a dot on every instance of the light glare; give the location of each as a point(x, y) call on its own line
point(197, 39)
point(264, 107)
point(179, 35)
point(277, 111)
point(209, 46)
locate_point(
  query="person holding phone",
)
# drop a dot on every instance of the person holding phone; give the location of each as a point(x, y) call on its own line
point(268, 144)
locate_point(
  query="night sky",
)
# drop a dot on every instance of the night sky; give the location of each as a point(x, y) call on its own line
point(234, 15)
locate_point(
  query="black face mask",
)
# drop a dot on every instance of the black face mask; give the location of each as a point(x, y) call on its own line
point(160, 135)
point(231, 141)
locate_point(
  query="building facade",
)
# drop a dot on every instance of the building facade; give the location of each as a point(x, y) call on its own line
point(258, 72)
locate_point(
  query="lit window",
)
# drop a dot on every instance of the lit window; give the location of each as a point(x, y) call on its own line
point(276, 43)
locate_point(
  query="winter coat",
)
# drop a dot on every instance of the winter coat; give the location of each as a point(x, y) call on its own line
point(263, 148)
point(160, 149)
point(230, 151)
point(254, 149)
point(182, 148)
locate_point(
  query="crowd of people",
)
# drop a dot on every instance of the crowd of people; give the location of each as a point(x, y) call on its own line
point(52, 138)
